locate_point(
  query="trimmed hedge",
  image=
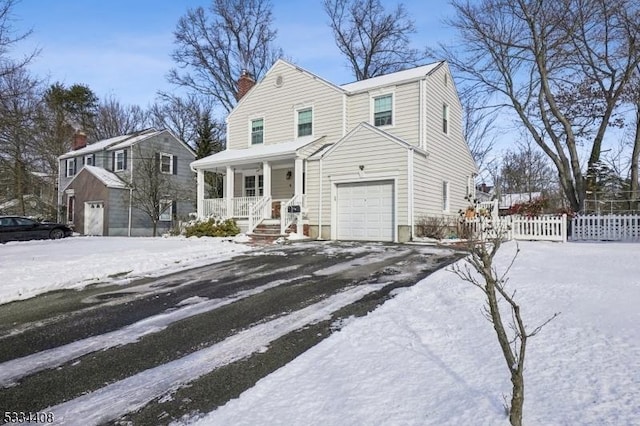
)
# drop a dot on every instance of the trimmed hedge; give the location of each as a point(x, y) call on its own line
point(212, 228)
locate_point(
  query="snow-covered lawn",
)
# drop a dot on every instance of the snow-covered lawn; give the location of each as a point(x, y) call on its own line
point(428, 357)
point(33, 267)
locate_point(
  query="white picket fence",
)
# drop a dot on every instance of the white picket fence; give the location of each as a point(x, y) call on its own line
point(606, 228)
point(514, 227)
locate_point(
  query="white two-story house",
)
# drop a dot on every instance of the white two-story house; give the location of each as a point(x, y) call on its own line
point(360, 161)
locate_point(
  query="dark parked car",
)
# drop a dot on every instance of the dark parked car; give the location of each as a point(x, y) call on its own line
point(18, 228)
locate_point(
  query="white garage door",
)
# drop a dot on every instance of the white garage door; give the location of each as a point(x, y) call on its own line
point(93, 218)
point(365, 211)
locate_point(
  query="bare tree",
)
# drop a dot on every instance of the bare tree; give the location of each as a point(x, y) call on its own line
point(153, 191)
point(543, 64)
point(182, 115)
point(374, 41)
point(479, 127)
point(525, 170)
point(114, 119)
point(8, 38)
point(513, 336)
point(214, 46)
point(19, 107)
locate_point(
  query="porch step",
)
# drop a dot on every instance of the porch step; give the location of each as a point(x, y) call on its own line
point(266, 233)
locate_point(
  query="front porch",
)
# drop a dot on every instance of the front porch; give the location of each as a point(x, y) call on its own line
point(257, 191)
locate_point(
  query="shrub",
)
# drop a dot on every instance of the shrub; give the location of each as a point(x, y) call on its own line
point(534, 207)
point(212, 227)
point(434, 227)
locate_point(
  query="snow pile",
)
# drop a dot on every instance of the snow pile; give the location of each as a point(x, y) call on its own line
point(33, 267)
point(428, 357)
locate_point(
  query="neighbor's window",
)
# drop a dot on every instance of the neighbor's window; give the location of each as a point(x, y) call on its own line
point(257, 131)
point(383, 110)
point(166, 163)
point(71, 201)
point(445, 196)
point(71, 167)
point(445, 118)
point(305, 122)
point(166, 210)
point(120, 162)
point(250, 189)
point(88, 160)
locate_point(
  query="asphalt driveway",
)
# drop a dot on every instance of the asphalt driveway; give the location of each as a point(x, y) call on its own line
point(59, 349)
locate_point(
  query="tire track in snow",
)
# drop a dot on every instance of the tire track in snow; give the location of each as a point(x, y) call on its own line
point(122, 397)
point(10, 371)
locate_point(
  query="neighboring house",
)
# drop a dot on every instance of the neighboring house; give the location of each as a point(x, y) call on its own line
point(362, 160)
point(38, 202)
point(100, 183)
point(507, 201)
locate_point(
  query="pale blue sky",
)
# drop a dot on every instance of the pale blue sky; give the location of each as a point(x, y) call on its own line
point(122, 47)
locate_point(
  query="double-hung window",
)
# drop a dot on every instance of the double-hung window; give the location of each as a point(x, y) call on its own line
point(305, 122)
point(166, 163)
point(445, 119)
point(257, 131)
point(445, 196)
point(88, 160)
point(383, 110)
point(71, 167)
point(166, 210)
point(250, 187)
point(120, 161)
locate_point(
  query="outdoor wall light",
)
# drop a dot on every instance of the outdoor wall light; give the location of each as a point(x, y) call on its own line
point(289, 175)
point(361, 167)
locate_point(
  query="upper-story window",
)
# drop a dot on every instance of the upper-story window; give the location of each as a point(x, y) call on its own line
point(257, 131)
point(88, 160)
point(445, 119)
point(305, 122)
point(70, 167)
point(120, 160)
point(383, 110)
point(166, 163)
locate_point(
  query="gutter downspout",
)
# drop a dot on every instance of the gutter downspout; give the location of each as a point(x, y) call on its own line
point(320, 203)
point(411, 185)
point(130, 193)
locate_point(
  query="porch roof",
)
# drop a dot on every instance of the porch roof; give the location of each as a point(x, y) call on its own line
point(231, 157)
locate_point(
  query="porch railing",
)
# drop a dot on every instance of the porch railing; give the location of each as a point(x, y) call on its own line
point(288, 213)
point(242, 205)
point(216, 207)
point(257, 212)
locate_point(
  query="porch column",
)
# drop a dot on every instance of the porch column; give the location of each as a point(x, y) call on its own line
point(200, 193)
point(297, 190)
point(229, 191)
point(266, 177)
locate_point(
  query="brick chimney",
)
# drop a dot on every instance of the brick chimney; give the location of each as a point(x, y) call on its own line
point(79, 140)
point(245, 83)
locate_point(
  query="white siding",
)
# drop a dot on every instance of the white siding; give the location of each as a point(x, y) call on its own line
point(380, 157)
point(277, 105)
point(449, 157)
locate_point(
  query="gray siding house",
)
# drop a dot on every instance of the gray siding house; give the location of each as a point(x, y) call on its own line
point(361, 161)
point(104, 187)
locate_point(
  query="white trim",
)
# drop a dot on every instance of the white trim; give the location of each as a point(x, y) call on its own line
point(375, 95)
point(70, 162)
point(164, 154)
point(320, 201)
point(115, 161)
point(344, 114)
point(165, 215)
point(410, 190)
point(370, 177)
point(296, 116)
point(200, 192)
point(422, 126)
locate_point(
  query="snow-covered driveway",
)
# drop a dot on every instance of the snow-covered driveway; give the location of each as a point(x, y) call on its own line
point(168, 346)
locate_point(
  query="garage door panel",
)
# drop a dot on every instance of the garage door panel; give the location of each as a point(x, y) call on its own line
point(365, 211)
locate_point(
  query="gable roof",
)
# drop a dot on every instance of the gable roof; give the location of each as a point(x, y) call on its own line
point(104, 144)
point(392, 78)
point(327, 150)
point(253, 154)
point(108, 178)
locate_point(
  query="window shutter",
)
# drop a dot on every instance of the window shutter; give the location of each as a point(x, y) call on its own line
point(174, 210)
point(75, 165)
point(83, 161)
point(93, 159)
point(113, 161)
point(125, 160)
point(175, 165)
point(157, 162)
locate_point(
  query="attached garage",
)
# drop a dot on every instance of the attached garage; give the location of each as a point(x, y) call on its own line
point(365, 211)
